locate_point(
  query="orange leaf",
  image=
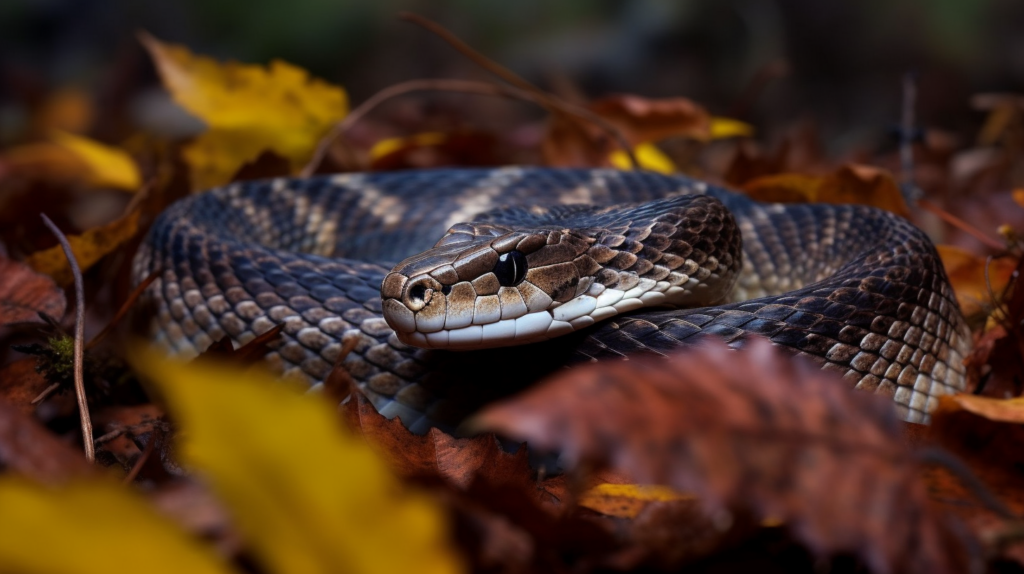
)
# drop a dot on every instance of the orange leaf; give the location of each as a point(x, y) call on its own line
point(971, 276)
point(851, 183)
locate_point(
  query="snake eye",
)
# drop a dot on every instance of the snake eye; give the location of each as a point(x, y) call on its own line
point(510, 269)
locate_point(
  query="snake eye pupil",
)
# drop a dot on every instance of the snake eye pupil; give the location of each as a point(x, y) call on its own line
point(510, 269)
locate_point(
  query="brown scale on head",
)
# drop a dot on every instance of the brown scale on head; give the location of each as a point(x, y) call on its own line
point(495, 282)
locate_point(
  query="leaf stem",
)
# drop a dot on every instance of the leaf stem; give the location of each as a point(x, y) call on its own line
point(83, 404)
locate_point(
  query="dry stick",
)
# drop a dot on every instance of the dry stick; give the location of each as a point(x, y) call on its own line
point(132, 298)
point(961, 224)
point(83, 405)
point(463, 86)
point(545, 100)
point(907, 131)
point(139, 462)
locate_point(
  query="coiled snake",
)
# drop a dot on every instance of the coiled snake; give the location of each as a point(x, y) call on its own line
point(554, 267)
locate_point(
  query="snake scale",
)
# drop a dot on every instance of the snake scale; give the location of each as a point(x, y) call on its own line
point(551, 268)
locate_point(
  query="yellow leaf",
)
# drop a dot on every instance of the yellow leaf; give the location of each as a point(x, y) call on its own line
point(389, 145)
point(647, 155)
point(91, 527)
point(247, 108)
point(722, 128)
point(627, 500)
point(108, 166)
point(307, 496)
point(88, 248)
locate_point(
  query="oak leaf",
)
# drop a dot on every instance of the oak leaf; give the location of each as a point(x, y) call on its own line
point(749, 432)
point(248, 109)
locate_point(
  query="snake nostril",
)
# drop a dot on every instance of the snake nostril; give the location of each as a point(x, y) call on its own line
point(420, 292)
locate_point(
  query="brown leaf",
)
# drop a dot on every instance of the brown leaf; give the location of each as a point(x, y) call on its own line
point(20, 384)
point(27, 448)
point(574, 142)
point(750, 432)
point(459, 461)
point(24, 294)
point(248, 353)
point(851, 183)
point(975, 424)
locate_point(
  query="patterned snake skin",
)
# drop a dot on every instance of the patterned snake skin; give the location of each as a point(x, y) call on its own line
point(858, 290)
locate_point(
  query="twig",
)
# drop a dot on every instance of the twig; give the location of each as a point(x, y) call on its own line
point(83, 405)
point(548, 101)
point(132, 298)
point(463, 86)
point(478, 58)
point(907, 132)
point(943, 458)
point(961, 224)
point(46, 392)
point(139, 462)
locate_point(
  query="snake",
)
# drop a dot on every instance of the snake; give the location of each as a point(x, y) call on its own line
point(453, 287)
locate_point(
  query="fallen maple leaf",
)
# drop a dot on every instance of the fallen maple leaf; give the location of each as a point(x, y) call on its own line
point(108, 166)
point(850, 183)
point(247, 108)
point(88, 248)
point(754, 431)
point(24, 294)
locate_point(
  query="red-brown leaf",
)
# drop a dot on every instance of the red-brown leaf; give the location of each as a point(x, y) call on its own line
point(753, 431)
point(24, 294)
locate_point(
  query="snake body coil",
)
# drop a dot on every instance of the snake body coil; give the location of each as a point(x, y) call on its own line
point(582, 252)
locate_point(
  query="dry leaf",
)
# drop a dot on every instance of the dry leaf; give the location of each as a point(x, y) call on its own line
point(755, 431)
point(30, 450)
point(306, 496)
point(108, 166)
point(851, 183)
point(459, 461)
point(982, 425)
point(88, 248)
point(626, 500)
point(573, 142)
point(25, 293)
point(972, 276)
point(247, 108)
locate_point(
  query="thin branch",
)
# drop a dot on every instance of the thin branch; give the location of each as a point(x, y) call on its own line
point(477, 58)
point(961, 224)
point(943, 458)
point(132, 298)
point(463, 86)
point(83, 405)
point(46, 392)
point(141, 461)
point(907, 130)
point(548, 101)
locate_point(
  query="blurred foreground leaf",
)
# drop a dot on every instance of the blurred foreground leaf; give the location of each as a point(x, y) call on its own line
point(108, 166)
point(753, 431)
point(92, 527)
point(306, 496)
point(247, 108)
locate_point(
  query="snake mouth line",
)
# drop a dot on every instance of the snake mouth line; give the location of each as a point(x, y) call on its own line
point(577, 313)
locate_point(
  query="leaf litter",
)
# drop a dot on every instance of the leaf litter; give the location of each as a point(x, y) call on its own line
point(693, 460)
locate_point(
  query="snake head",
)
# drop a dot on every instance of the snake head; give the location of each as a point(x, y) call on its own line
point(559, 269)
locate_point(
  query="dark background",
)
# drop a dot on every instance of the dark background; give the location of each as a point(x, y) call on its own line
point(772, 63)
